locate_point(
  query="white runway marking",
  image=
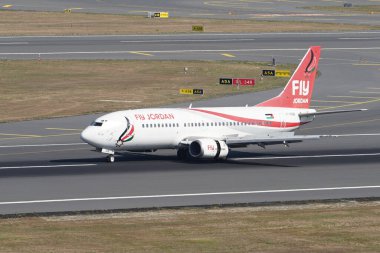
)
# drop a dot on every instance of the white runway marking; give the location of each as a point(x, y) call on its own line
point(200, 40)
point(187, 51)
point(47, 166)
point(14, 43)
point(373, 38)
point(302, 156)
point(43, 145)
point(188, 195)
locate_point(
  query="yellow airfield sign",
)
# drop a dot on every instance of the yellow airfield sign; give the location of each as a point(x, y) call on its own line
point(197, 28)
point(161, 14)
point(283, 73)
point(191, 91)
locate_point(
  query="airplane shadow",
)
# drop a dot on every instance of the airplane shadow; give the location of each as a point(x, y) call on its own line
point(133, 163)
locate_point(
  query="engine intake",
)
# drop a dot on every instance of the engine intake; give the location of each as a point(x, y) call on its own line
point(208, 148)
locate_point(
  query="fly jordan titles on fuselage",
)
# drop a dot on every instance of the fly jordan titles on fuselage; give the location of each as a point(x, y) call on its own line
point(211, 132)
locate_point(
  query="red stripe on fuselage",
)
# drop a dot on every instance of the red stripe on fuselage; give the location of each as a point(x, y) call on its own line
point(258, 122)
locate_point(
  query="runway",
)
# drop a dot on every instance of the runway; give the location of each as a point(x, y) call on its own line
point(250, 47)
point(72, 178)
point(279, 10)
point(44, 166)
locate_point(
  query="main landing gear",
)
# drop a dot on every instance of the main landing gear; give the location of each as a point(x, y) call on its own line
point(111, 158)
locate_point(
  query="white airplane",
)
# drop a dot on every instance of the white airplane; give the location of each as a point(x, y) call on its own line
point(211, 132)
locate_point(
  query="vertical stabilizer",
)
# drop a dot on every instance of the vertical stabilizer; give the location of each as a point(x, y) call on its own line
point(297, 93)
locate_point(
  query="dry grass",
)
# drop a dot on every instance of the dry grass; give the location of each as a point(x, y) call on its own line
point(351, 227)
point(48, 88)
point(366, 9)
point(57, 23)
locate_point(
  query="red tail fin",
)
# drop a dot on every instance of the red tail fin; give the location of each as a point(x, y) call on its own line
point(297, 93)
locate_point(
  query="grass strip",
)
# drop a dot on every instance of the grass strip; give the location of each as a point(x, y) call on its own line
point(59, 23)
point(341, 227)
point(32, 89)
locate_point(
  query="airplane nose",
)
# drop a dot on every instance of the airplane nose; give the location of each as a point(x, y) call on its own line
point(86, 136)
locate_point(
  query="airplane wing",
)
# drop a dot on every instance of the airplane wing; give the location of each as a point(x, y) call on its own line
point(282, 138)
point(271, 139)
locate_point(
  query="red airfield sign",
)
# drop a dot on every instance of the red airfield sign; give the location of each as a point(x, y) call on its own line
point(243, 81)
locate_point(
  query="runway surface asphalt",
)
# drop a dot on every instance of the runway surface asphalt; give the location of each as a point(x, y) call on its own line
point(44, 167)
point(287, 10)
point(251, 47)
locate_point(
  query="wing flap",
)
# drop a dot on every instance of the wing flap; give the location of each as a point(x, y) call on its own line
point(283, 138)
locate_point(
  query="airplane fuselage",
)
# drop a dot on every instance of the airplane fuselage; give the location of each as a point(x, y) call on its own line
point(165, 128)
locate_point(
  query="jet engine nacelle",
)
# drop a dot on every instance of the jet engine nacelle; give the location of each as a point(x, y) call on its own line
point(208, 148)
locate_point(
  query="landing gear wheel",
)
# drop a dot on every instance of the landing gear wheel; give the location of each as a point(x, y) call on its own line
point(111, 158)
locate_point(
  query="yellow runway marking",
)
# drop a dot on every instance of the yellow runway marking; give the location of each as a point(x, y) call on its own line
point(229, 55)
point(328, 101)
point(354, 103)
point(47, 151)
point(38, 136)
point(341, 124)
point(373, 92)
point(353, 97)
point(140, 53)
point(366, 64)
point(63, 129)
point(21, 135)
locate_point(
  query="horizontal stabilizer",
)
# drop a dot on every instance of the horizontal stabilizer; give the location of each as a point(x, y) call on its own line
point(329, 112)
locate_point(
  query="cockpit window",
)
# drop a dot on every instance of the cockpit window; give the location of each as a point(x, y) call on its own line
point(96, 123)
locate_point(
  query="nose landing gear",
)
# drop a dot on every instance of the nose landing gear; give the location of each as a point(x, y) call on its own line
point(110, 154)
